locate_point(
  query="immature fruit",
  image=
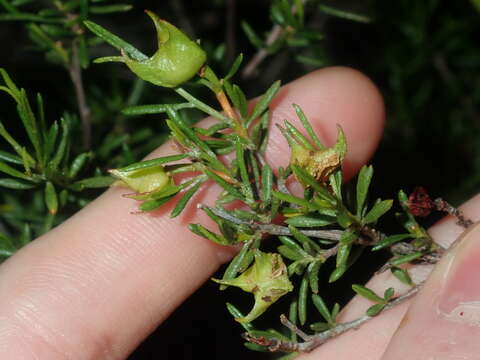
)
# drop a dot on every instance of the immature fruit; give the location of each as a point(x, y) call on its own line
point(176, 61)
point(267, 279)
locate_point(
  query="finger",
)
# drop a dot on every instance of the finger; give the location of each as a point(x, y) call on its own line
point(371, 340)
point(100, 282)
point(443, 321)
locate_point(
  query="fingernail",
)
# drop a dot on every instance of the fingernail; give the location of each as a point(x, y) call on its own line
point(459, 298)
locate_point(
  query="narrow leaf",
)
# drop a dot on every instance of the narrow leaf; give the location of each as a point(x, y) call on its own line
point(234, 68)
point(16, 184)
point(367, 293)
point(264, 102)
point(313, 270)
point(377, 211)
point(302, 300)
point(185, 199)
point(311, 220)
point(204, 232)
point(363, 183)
point(376, 309)
point(306, 124)
point(402, 275)
point(51, 199)
point(115, 41)
point(390, 240)
point(154, 109)
point(237, 314)
point(322, 308)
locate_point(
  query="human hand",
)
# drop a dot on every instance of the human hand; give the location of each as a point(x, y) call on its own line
point(96, 286)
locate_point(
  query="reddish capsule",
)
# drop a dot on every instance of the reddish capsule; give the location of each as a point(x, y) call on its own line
point(419, 202)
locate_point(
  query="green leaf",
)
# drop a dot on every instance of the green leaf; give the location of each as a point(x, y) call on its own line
point(337, 273)
point(51, 139)
point(62, 146)
point(201, 105)
point(252, 35)
point(93, 183)
point(153, 162)
point(298, 136)
point(16, 184)
point(311, 220)
point(51, 199)
point(234, 68)
point(185, 199)
point(336, 183)
point(319, 327)
point(115, 41)
point(154, 109)
point(292, 244)
point(367, 293)
point(289, 253)
point(388, 294)
point(6, 156)
point(236, 264)
point(304, 240)
point(108, 9)
point(322, 308)
point(344, 14)
point(363, 183)
point(7, 169)
point(342, 254)
point(376, 309)
point(28, 17)
point(267, 185)
point(262, 105)
point(242, 167)
point(377, 211)
point(78, 163)
point(306, 124)
point(204, 232)
point(313, 269)
point(309, 180)
point(390, 240)
point(405, 258)
point(232, 190)
point(302, 300)
point(154, 204)
point(238, 314)
point(402, 275)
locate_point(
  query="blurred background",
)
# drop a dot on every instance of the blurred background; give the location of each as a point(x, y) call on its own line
point(423, 55)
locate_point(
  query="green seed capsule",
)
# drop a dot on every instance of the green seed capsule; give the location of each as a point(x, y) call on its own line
point(176, 61)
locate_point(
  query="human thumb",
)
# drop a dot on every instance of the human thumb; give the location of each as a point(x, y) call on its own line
point(443, 322)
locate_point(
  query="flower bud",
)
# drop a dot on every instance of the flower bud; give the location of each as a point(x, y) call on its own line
point(176, 61)
point(267, 279)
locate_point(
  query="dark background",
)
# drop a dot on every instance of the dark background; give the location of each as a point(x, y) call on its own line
point(423, 55)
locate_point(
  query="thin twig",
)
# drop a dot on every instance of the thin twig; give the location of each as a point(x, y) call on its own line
point(314, 341)
point(276, 33)
point(75, 72)
point(462, 220)
point(272, 229)
point(249, 70)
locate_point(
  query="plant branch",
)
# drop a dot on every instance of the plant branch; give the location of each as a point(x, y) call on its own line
point(272, 229)
point(249, 70)
point(313, 341)
point(75, 72)
point(276, 33)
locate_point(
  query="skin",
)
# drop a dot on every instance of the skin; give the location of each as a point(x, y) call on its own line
point(73, 290)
